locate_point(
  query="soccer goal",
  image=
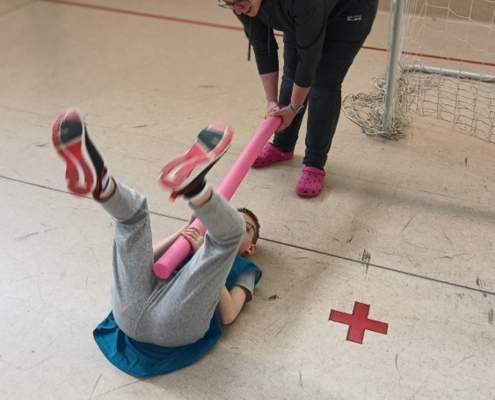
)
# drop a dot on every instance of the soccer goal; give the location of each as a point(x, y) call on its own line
point(441, 62)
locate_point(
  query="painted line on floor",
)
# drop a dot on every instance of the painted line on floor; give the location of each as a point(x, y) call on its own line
point(145, 15)
point(469, 288)
point(368, 265)
point(236, 28)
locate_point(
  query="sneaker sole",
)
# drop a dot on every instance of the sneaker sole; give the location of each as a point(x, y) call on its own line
point(178, 173)
point(80, 175)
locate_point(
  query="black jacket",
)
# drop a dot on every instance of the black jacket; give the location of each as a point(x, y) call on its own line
point(307, 19)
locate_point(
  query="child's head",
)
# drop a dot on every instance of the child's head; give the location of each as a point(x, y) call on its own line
point(248, 245)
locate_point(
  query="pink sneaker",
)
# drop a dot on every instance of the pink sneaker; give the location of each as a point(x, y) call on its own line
point(270, 155)
point(85, 171)
point(188, 169)
point(311, 182)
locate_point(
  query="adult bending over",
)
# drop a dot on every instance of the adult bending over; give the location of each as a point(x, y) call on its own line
point(321, 39)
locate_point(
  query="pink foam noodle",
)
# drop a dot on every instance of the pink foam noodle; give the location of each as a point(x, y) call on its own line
point(172, 258)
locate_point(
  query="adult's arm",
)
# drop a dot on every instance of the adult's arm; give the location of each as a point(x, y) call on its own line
point(262, 39)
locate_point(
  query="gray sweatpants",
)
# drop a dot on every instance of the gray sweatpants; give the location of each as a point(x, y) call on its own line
point(178, 310)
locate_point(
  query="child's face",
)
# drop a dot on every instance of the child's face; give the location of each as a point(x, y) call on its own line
point(247, 247)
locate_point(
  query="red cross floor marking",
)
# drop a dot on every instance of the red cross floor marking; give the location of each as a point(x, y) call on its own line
point(358, 322)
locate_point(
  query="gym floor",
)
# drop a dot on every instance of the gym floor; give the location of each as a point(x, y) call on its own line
point(403, 227)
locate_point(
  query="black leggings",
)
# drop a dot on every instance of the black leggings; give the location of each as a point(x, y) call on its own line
point(344, 37)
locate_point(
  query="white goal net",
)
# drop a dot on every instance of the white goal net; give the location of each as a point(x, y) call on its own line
point(441, 63)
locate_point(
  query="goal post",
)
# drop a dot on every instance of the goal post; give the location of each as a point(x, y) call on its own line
point(393, 67)
point(441, 62)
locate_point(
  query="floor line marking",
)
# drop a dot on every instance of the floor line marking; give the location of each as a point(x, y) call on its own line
point(360, 262)
point(236, 28)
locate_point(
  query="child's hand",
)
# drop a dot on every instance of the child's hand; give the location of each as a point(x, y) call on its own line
point(194, 236)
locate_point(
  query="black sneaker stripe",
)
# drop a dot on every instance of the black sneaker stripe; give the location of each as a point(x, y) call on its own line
point(69, 131)
point(210, 138)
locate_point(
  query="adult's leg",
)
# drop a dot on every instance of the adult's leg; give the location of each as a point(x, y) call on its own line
point(286, 140)
point(344, 38)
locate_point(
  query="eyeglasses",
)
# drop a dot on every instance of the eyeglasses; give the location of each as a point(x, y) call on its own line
point(223, 4)
point(249, 226)
point(235, 5)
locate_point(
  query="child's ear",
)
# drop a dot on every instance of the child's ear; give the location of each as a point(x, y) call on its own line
point(252, 249)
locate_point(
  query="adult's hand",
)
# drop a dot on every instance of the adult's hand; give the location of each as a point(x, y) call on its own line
point(287, 114)
point(271, 107)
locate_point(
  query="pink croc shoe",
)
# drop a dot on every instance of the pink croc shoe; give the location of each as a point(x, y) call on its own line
point(311, 182)
point(270, 155)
